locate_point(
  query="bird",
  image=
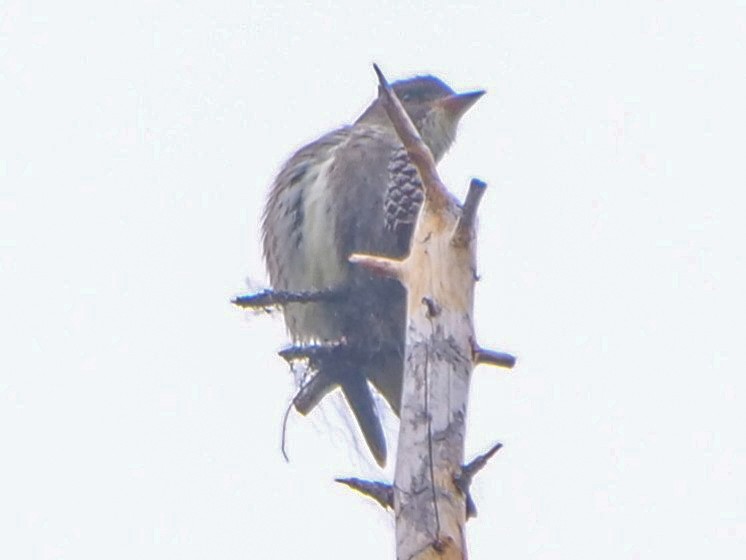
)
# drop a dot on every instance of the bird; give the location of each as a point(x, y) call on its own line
point(355, 190)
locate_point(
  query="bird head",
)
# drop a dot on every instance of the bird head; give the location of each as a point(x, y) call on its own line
point(435, 109)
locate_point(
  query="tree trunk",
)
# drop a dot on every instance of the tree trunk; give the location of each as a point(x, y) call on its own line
point(439, 274)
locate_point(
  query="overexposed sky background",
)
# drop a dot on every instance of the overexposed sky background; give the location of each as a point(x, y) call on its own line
point(140, 413)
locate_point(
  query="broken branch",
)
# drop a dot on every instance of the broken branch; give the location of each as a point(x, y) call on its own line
point(494, 358)
point(272, 298)
point(463, 481)
point(382, 266)
point(380, 491)
point(421, 156)
point(465, 226)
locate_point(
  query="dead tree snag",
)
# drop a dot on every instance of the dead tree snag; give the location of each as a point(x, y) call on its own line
point(430, 487)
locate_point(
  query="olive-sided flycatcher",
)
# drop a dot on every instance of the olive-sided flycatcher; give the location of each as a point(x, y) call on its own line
point(355, 190)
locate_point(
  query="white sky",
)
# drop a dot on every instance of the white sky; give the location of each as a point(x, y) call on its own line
point(140, 413)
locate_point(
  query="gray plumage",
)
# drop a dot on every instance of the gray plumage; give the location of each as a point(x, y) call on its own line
point(355, 190)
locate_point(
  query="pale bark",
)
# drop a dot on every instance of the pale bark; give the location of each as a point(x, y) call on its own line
point(439, 274)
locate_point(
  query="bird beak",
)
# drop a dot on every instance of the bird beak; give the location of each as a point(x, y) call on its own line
point(458, 103)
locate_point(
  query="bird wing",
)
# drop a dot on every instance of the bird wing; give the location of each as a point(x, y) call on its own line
point(376, 189)
point(282, 231)
point(352, 191)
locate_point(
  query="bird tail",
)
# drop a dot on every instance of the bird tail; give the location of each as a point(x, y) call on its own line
point(357, 392)
point(360, 400)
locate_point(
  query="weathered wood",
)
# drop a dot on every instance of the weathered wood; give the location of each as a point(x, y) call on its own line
point(272, 298)
point(463, 480)
point(381, 492)
point(439, 275)
point(465, 226)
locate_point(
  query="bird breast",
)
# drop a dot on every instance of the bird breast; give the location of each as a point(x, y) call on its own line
point(323, 265)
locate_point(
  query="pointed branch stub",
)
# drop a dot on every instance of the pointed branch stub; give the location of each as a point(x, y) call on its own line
point(465, 227)
point(436, 193)
point(474, 466)
point(464, 479)
point(483, 356)
point(276, 298)
point(380, 491)
point(381, 266)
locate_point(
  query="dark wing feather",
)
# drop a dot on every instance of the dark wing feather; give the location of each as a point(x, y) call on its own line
point(404, 196)
point(374, 182)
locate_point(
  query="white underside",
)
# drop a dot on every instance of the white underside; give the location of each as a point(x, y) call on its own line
point(318, 263)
